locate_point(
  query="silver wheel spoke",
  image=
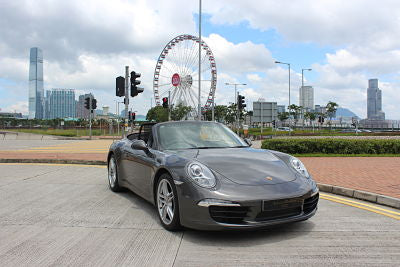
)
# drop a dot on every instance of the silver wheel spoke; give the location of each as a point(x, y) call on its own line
point(165, 200)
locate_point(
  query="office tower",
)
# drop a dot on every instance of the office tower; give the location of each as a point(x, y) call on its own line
point(81, 111)
point(374, 101)
point(36, 93)
point(306, 95)
point(61, 103)
point(281, 108)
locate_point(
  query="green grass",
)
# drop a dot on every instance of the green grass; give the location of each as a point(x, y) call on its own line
point(345, 155)
point(64, 132)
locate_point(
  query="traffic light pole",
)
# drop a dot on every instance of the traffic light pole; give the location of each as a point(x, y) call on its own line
point(169, 105)
point(237, 111)
point(126, 101)
point(90, 118)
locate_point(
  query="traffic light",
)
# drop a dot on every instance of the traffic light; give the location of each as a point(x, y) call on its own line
point(241, 103)
point(165, 102)
point(274, 123)
point(321, 119)
point(134, 83)
point(94, 104)
point(87, 102)
point(120, 86)
point(131, 116)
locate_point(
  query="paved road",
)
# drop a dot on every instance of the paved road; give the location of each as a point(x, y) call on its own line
point(66, 215)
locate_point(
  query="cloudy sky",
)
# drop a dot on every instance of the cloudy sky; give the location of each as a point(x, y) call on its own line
point(87, 43)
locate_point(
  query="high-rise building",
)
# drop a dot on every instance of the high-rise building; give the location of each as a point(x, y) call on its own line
point(374, 101)
point(60, 103)
point(36, 91)
point(306, 97)
point(281, 108)
point(81, 111)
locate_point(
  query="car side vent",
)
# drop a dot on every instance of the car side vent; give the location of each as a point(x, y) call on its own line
point(310, 203)
point(232, 215)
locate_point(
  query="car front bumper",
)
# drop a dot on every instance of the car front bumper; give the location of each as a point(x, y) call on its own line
point(213, 210)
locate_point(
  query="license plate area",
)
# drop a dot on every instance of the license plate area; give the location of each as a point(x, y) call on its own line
point(281, 204)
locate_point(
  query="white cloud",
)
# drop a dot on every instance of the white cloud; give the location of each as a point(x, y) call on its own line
point(20, 106)
point(241, 57)
point(86, 45)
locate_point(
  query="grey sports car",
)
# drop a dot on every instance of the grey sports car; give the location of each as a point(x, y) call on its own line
point(201, 175)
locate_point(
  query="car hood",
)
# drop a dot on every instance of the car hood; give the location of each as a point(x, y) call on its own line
point(246, 166)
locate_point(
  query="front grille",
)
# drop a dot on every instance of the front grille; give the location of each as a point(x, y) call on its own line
point(310, 203)
point(232, 215)
point(278, 214)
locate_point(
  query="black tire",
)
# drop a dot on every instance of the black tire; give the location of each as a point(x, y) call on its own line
point(174, 224)
point(114, 186)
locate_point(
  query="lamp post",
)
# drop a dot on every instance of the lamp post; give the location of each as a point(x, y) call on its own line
point(236, 84)
point(302, 76)
point(199, 96)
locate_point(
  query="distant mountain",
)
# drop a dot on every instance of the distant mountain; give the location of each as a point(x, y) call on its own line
point(345, 112)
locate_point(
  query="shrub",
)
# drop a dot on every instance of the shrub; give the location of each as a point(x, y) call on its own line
point(333, 146)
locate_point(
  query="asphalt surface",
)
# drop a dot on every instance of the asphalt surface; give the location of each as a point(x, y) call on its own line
point(66, 215)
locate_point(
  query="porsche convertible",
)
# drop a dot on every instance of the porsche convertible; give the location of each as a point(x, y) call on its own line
point(201, 175)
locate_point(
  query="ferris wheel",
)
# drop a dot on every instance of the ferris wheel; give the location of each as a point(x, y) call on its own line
point(176, 73)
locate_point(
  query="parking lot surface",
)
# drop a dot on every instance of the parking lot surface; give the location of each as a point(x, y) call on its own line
point(66, 215)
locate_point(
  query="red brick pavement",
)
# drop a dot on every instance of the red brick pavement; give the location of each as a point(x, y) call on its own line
point(373, 174)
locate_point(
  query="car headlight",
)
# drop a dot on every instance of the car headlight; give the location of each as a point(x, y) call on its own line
point(200, 174)
point(299, 166)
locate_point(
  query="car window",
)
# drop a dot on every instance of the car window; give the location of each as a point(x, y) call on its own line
point(197, 135)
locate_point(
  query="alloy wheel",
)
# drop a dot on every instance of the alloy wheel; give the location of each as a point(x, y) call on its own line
point(165, 201)
point(112, 172)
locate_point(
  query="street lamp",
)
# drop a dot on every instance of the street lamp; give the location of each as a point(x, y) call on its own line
point(302, 76)
point(235, 84)
point(278, 62)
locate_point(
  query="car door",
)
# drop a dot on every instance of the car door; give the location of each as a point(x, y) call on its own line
point(139, 168)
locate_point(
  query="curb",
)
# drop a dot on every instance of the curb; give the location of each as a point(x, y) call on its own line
point(362, 195)
point(55, 161)
point(333, 189)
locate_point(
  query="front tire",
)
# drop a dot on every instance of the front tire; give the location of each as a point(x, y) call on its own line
point(167, 203)
point(113, 175)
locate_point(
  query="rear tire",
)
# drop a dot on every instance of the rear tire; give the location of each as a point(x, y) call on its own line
point(113, 175)
point(167, 203)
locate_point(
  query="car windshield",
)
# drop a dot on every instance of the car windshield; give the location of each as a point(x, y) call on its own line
point(191, 135)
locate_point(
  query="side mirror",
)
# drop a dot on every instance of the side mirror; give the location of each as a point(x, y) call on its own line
point(139, 145)
point(248, 141)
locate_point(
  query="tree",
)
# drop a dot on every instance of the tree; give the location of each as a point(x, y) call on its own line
point(294, 110)
point(158, 114)
point(179, 112)
point(283, 116)
point(219, 113)
point(331, 108)
point(230, 116)
point(310, 116)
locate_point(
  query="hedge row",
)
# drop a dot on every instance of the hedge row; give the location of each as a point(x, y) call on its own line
point(333, 146)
